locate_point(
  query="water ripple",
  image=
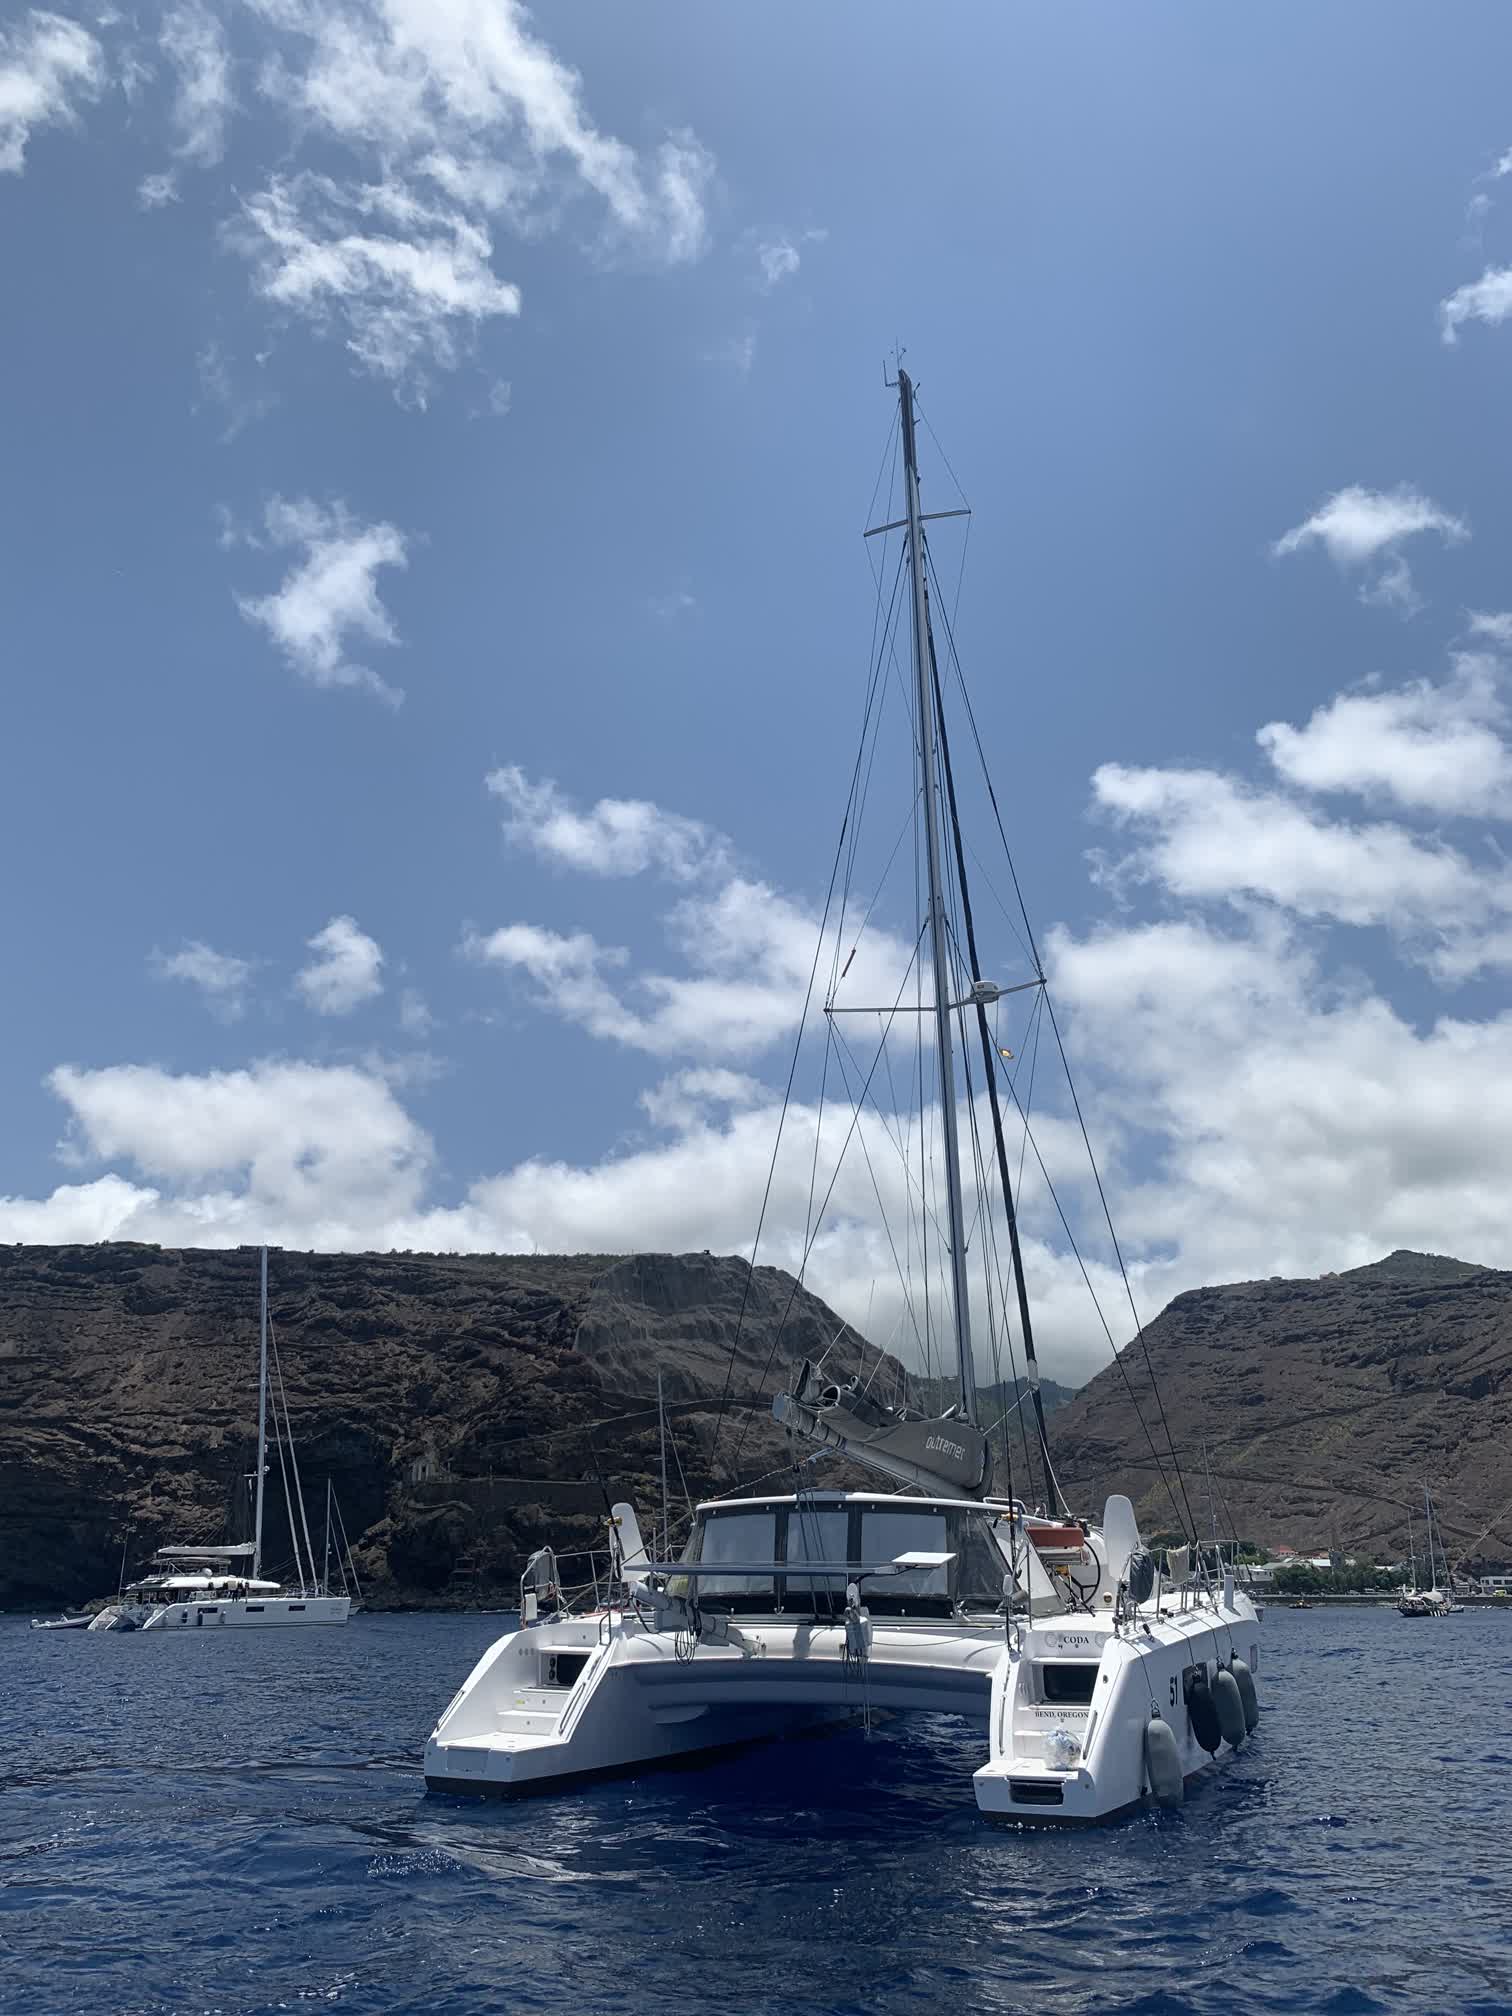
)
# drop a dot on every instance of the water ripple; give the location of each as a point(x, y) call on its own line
point(219, 1828)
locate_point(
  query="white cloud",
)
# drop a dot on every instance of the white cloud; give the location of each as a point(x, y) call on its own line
point(194, 42)
point(415, 1018)
point(779, 258)
point(306, 1153)
point(1205, 836)
point(155, 192)
point(1431, 748)
point(330, 593)
point(47, 64)
point(748, 951)
point(406, 281)
point(1359, 527)
point(667, 608)
point(1488, 299)
point(617, 836)
point(346, 970)
point(448, 86)
point(220, 976)
point(778, 261)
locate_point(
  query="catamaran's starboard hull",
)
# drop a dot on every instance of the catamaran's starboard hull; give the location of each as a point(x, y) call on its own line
point(1066, 1762)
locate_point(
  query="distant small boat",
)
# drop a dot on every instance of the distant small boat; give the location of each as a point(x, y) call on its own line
point(1299, 1603)
point(60, 1623)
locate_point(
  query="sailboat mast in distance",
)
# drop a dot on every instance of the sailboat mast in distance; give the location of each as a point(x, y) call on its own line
point(262, 1410)
point(928, 748)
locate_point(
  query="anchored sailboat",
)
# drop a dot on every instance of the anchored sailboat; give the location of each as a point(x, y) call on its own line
point(1097, 1681)
point(194, 1587)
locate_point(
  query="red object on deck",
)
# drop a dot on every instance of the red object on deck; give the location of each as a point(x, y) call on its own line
point(1070, 1538)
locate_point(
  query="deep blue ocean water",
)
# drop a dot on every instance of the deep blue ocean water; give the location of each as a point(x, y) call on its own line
point(235, 1824)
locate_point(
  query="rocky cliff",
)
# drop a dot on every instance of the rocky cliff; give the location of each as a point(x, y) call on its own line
point(464, 1407)
point(1320, 1408)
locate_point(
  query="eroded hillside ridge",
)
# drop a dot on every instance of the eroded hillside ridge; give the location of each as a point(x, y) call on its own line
point(1320, 1408)
point(452, 1400)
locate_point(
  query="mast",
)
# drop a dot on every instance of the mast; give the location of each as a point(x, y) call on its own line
point(661, 1416)
point(325, 1566)
point(923, 655)
point(262, 1411)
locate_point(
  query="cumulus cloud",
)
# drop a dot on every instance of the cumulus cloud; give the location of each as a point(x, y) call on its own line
point(1488, 299)
point(329, 594)
point(748, 951)
point(1260, 1104)
point(1359, 528)
point(617, 836)
point(220, 976)
point(48, 66)
point(1427, 747)
point(1203, 835)
point(346, 969)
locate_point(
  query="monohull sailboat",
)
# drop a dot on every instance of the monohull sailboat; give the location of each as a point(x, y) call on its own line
point(1098, 1679)
point(1432, 1601)
point(224, 1587)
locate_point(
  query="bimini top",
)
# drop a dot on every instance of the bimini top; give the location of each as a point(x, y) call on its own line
point(243, 1551)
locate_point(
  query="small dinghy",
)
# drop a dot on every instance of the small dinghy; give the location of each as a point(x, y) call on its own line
point(60, 1623)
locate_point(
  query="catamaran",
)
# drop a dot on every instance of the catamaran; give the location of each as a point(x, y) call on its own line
point(192, 1588)
point(1097, 1678)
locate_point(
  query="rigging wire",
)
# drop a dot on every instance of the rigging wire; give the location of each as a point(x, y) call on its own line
point(1076, 1103)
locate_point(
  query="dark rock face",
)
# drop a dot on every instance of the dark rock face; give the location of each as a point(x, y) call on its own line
point(465, 1407)
point(1322, 1408)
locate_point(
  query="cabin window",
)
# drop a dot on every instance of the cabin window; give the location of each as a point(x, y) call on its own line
point(887, 1532)
point(817, 1533)
point(980, 1567)
point(738, 1536)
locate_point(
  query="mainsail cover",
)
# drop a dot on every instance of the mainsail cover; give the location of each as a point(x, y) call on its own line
point(944, 1453)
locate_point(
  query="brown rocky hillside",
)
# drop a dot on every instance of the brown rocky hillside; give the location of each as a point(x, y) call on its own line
point(451, 1399)
point(1322, 1408)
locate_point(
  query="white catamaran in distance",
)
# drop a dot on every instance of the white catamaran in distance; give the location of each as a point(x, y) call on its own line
point(1097, 1679)
point(194, 1587)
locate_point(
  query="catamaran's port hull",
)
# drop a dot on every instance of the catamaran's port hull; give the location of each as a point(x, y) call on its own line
point(631, 1703)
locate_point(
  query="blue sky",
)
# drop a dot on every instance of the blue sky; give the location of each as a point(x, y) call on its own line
point(530, 366)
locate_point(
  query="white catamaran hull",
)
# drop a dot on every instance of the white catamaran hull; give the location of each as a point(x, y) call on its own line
point(530, 1715)
point(583, 1696)
point(270, 1612)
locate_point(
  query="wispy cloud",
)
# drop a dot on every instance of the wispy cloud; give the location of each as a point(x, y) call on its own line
point(737, 354)
point(407, 283)
point(47, 65)
point(779, 258)
point(194, 43)
point(330, 593)
point(220, 976)
point(346, 970)
point(155, 192)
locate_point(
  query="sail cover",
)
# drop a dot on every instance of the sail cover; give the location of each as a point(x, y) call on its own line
point(949, 1450)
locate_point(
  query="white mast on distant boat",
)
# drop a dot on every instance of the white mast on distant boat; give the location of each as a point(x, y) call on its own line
point(262, 1411)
